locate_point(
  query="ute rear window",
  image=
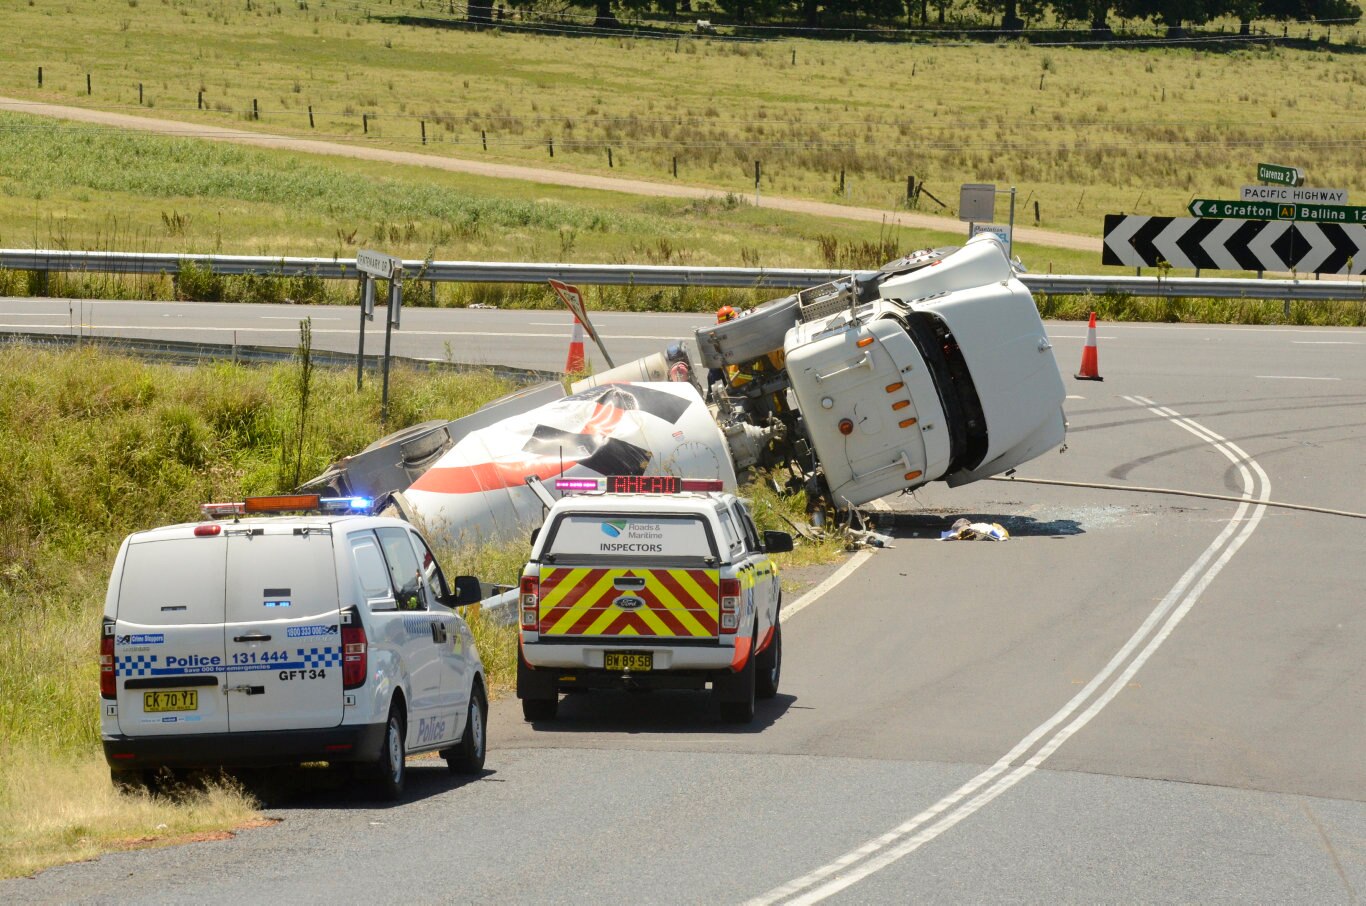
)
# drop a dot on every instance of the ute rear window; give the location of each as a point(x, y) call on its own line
point(607, 537)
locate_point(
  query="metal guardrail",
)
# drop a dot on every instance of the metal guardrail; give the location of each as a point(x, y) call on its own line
point(152, 264)
point(185, 353)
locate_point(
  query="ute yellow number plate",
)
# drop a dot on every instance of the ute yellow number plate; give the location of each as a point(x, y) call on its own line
point(635, 661)
point(171, 700)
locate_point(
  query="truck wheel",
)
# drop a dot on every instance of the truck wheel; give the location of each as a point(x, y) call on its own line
point(391, 768)
point(468, 757)
point(739, 710)
point(769, 666)
point(534, 709)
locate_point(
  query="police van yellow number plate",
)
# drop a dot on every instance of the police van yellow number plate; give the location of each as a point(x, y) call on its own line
point(171, 700)
point(635, 661)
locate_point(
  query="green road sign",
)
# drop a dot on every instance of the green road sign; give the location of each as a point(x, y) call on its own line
point(1281, 176)
point(1274, 210)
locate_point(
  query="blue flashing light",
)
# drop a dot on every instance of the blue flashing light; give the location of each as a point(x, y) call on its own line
point(346, 504)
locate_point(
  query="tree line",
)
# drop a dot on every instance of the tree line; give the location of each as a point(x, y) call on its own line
point(1012, 15)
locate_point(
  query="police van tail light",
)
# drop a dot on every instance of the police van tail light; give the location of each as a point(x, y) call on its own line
point(530, 603)
point(730, 606)
point(108, 677)
point(355, 650)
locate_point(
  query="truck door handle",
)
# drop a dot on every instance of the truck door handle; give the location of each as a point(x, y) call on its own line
point(438, 631)
point(252, 637)
point(628, 583)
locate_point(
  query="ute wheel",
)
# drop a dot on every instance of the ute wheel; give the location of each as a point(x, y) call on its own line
point(391, 767)
point(534, 709)
point(740, 709)
point(468, 756)
point(769, 665)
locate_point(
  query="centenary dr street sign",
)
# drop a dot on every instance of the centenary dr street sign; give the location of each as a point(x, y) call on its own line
point(1284, 176)
point(1302, 195)
point(1265, 210)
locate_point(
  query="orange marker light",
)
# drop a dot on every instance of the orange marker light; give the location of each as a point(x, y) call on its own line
point(866, 341)
point(893, 388)
point(901, 404)
point(907, 423)
point(911, 476)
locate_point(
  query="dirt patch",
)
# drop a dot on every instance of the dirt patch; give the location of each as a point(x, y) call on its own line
point(198, 837)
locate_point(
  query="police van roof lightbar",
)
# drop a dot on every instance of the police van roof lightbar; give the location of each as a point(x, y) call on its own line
point(288, 503)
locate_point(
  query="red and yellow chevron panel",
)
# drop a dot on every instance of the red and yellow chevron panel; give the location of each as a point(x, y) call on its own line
point(668, 603)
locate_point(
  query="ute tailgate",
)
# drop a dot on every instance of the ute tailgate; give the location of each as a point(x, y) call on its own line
point(626, 602)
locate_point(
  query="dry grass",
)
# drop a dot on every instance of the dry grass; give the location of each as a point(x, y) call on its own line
point(57, 809)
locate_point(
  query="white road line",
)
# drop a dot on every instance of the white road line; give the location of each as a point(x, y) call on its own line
point(1323, 343)
point(911, 835)
point(1293, 377)
point(815, 594)
point(282, 317)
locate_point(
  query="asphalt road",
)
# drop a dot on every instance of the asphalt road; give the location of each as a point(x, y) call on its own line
point(1138, 698)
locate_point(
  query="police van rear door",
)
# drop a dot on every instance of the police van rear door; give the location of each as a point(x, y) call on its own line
point(282, 634)
point(628, 576)
point(168, 635)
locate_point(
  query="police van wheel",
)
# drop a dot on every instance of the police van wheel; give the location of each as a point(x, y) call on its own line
point(468, 757)
point(391, 769)
point(131, 781)
point(770, 665)
point(534, 709)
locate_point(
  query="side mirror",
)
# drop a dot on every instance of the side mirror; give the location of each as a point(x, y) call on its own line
point(467, 591)
point(777, 542)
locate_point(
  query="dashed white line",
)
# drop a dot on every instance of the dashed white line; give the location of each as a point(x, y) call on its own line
point(1293, 377)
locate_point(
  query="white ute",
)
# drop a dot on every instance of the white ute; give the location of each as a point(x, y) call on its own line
point(323, 636)
point(646, 583)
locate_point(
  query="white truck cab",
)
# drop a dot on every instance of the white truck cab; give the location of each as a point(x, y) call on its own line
point(280, 639)
point(650, 582)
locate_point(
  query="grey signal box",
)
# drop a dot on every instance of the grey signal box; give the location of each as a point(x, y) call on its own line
point(977, 202)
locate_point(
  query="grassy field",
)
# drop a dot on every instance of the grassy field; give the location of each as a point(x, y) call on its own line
point(100, 446)
point(1081, 131)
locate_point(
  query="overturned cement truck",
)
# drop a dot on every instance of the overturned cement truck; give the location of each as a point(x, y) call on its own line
point(934, 367)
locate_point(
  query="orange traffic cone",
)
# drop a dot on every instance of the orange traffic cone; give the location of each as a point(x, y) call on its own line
point(1090, 371)
point(574, 364)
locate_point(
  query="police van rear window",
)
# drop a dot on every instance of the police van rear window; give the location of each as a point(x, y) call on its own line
point(581, 537)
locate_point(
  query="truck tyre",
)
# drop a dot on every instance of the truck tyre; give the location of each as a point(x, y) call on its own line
point(468, 756)
point(534, 709)
point(769, 665)
point(740, 708)
point(391, 768)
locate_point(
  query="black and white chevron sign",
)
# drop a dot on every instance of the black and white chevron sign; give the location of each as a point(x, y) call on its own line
point(1235, 245)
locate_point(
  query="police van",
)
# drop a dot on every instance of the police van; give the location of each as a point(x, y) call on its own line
point(650, 582)
point(326, 635)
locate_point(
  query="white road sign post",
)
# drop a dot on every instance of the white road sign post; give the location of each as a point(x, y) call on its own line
point(372, 266)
